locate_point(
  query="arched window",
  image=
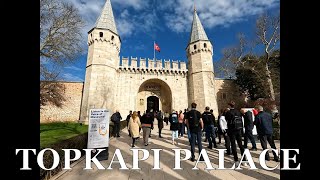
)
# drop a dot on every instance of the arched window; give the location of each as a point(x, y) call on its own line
point(101, 34)
point(112, 37)
point(195, 47)
point(91, 34)
point(205, 45)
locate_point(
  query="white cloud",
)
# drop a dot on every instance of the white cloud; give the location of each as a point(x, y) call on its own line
point(213, 12)
point(71, 77)
point(73, 68)
point(142, 16)
point(136, 4)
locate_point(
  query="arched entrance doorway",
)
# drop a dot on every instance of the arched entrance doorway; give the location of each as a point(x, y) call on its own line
point(153, 103)
point(154, 94)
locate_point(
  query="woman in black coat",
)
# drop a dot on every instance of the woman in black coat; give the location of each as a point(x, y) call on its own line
point(160, 122)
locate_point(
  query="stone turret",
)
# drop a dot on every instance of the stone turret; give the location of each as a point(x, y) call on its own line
point(201, 84)
point(103, 56)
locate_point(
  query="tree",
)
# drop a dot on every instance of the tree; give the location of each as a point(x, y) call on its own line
point(244, 58)
point(251, 77)
point(60, 37)
point(268, 33)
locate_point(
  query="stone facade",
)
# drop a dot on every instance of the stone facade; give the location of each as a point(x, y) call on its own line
point(138, 82)
point(70, 110)
point(142, 84)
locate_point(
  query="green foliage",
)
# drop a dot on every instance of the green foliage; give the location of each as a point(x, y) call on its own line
point(60, 136)
point(248, 82)
point(77, 142)
point(251, 76)
point(52, 133)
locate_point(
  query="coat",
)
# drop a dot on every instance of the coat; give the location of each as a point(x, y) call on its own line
point(263, 122)
point(134, 127)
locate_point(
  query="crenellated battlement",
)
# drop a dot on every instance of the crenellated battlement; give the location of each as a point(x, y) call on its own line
point(161, 65)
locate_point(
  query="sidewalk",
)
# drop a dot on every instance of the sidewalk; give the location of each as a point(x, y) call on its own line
point(167, 162)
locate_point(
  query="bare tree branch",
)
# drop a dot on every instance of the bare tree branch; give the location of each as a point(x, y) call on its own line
point(60, 38)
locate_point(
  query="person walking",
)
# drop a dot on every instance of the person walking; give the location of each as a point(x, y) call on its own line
point(219, 133)
point(160, 122)
point(134, 126)
point(116, 118)
point(235, 128)
point(248, 127)
point(195, 125)
point(263, 122)
point(208, 121)
point(128, 119)
point(152, 113)
point(146, 123)
point(224, 129)
point(181, 124)
point(174, 125)
point(166, 118)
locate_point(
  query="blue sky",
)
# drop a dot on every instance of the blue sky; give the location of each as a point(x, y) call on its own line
point(168, 22)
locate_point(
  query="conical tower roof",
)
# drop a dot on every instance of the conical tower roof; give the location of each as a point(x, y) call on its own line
point(106, 18)
point(197, 31)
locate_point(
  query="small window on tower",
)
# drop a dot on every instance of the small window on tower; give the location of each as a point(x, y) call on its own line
point(91, 34)
point(112, 37)
point(205, 45)
point(224, 96)
point(195, 47)
point(101, 34)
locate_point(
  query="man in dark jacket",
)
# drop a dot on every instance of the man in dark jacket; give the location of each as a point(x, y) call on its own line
point(234, 130)
point(116, 118)
point(160, 122)
point(263, 122)
point(209, 123)
point(195, 125)
point(248, 127)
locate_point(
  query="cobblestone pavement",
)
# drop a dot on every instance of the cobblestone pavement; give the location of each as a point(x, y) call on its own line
point(167, 162)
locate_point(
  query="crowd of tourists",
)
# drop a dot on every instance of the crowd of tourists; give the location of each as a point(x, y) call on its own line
point(232, 124)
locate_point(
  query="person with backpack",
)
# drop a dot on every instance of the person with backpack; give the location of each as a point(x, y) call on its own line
point(146, 123)
point(160, 122)
point(116, 118)
point(209, 126)
point(235, 128)
point(174, 125)
point(195, 126)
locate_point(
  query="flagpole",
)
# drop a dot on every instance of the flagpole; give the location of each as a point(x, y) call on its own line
point(154, 51)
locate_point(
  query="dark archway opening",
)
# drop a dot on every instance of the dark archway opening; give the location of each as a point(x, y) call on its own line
point(152, 103)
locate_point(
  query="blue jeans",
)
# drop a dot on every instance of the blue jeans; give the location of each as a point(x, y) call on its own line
point(194, 137)
point(174, 135)
point(211, 136)
point(189, 134)
point(182, 127)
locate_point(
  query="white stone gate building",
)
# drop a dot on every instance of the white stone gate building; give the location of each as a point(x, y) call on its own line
point(139, 83)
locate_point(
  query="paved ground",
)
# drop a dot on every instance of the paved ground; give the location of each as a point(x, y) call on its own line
point(167, 163)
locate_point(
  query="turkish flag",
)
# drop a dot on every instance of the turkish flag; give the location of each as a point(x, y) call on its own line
point(156, 47)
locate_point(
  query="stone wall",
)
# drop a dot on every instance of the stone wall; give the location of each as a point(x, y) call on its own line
point(171, 76)
point(227, 91)
point(70, 109)
point(174, 84)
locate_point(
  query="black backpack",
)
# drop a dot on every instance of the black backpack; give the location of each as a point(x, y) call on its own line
point(194, 121)
point(237, 122)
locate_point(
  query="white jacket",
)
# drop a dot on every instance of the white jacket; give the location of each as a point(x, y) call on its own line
point(223, 123)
